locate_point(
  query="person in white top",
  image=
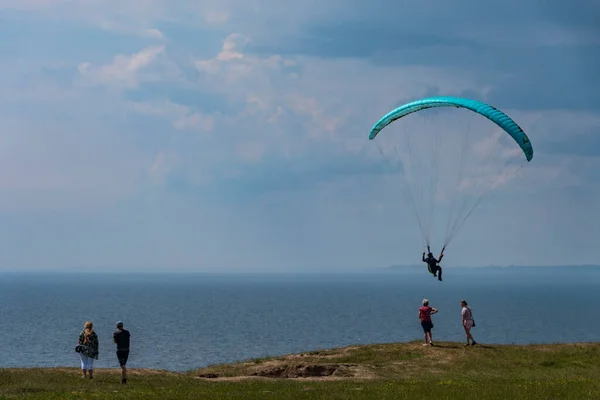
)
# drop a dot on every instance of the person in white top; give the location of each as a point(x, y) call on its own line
point(467, 321)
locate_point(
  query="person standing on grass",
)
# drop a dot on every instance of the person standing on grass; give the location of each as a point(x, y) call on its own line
point(467, 321)
point(121, 338)
point(425, 313)
point(88, 341)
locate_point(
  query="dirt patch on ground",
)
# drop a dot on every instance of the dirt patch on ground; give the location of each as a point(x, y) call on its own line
point(281, 369)
point(305, 370)
point(323, 354)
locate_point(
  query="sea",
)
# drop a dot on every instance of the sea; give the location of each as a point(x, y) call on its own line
point(182, 321)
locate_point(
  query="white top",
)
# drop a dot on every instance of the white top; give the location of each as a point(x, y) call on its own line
point(466, 314)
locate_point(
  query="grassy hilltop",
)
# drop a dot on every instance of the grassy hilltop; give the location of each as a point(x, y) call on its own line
point(384, 371)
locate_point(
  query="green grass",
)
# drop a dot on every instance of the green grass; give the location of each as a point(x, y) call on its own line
point(386, 371)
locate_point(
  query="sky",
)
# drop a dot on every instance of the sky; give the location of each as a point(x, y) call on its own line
point(232, 135)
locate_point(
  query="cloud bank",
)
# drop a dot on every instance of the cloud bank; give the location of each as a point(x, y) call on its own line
point(232, 135)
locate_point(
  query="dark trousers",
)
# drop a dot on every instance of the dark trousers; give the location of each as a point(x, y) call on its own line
point(436, 270)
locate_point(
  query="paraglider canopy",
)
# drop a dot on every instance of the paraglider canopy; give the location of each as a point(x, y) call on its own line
point(491, 156)
point(491, 113)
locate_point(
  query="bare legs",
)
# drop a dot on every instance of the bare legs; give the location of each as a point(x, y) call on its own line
point(468, 335)
point(87, 366)
point(428, 339)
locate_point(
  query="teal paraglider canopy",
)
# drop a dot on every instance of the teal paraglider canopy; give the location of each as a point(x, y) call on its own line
point(490, 112)
point(465, 185)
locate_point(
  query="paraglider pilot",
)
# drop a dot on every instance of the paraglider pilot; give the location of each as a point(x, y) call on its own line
point(433, 264)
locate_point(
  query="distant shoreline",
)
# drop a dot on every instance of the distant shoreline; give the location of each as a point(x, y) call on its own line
point(233, 272)
point(499, 266)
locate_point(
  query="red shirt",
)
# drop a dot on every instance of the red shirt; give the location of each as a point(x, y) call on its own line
point(425, 314)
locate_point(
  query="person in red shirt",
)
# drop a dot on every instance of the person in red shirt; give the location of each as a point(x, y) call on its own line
point(425, 313)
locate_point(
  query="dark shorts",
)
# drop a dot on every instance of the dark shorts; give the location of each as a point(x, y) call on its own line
point(433, 270)
point(427, 325)
point(122, 355)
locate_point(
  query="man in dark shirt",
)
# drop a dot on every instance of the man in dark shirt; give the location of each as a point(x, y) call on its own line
point(121, 338)
point(433, 264)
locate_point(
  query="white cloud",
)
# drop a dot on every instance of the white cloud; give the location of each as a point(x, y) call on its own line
point(232, 43)
point(293, 102)
point(182, 117)
point(128, 29)
point(235, 66)
point(298, 108)
point(126, 71)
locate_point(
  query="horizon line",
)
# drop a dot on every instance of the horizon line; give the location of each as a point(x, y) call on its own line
point(154, 270)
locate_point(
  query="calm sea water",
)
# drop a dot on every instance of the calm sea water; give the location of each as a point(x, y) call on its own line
point(180, 322)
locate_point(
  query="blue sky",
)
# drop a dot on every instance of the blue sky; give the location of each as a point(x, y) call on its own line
point(232, 135)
